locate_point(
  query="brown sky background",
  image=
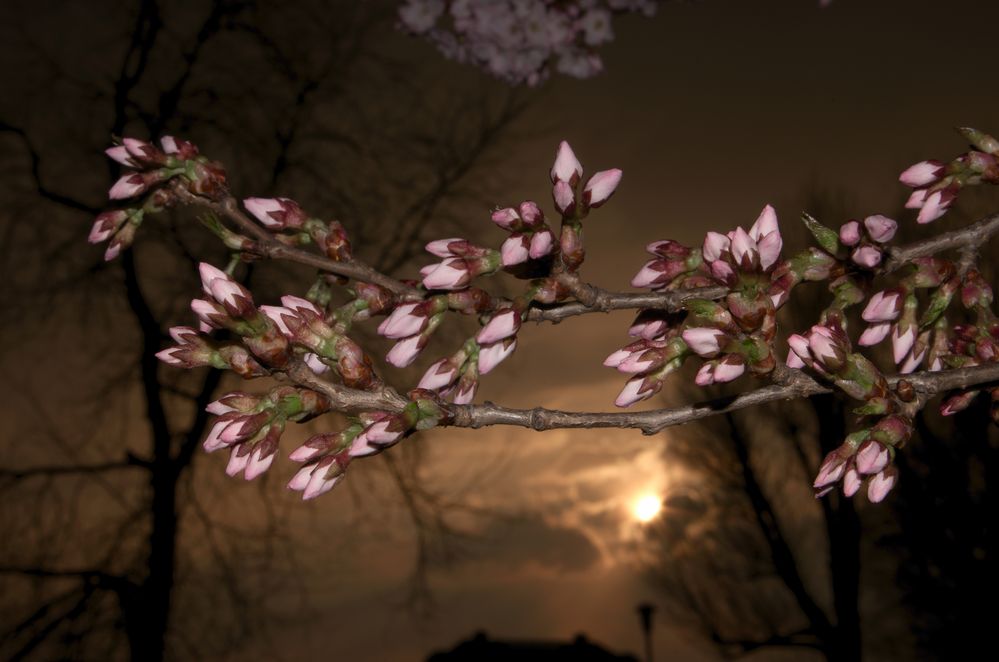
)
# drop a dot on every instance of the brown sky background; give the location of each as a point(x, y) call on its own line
point(712, 109)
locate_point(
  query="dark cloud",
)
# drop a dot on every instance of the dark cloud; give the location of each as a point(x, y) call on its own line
point(529, 541)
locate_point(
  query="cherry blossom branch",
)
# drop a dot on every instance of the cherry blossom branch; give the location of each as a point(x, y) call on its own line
point(970, 236)
point(795, 385)
point(799, 385)
point(718, 302)
point(265, 245)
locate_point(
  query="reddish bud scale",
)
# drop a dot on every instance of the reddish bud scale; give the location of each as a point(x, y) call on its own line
point(206, 178)
point(377, 298)
point(239, 361)
point(335, 242)
point(471, 300)
point(571, 246)
point(271, 346)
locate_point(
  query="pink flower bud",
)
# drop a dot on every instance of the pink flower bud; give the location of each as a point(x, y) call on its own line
point(800, 347)
point(921, 174)
point(279, 315)
point(260, 461)
point(405, 351)
point(515, 250)
point(765, 224)
point(884, 306)
point(635, 390)
point(531, 214)
point(565, 199)
point(714, 244)
point(706, 375)
point(901, 343)
point(832, 469)
point(361, 447)
point(492, 355)
point(451, 274)
point(127, 186)
point(769, 248)
point(169, 145)
point(917, 199)
point(849, 233)
point(506, 218)
point(935, 206)
point(704, 341)
point(120, 154)
point(744, 249)
point(276, 213)
point(912, 361)
point(730, 368)
point(106, 224)
point(302, 307)
point(880, 228)
point(616, 358)
point(640, 360)
point(438, 376)
point(648, 276)
point(872, 457)
point(541, 244)
point(239, 458)
point(723, 272)
point(213, 441)
point(502, 325)
point(648, 330)
point(851, 482)
point(823, 348)
point(167, 356)
point(465, 392)
point(304, 453)
point(381, 434)
point(139, 149)
point(440, 247)
point(874, 334)
point(320, 484)
point(566, 168)
point(794, 361)
point(601, 187)
point(867, 256)
point(301, 478)
point(209, 313)
point(406, 320)
point(879, 485)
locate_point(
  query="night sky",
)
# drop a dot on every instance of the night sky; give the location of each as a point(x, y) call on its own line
point(712, 109)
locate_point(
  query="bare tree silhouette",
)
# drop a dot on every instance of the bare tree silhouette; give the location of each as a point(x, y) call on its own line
point(327, 115)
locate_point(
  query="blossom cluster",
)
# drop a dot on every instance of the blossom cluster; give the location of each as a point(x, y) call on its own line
point(936, 184)
point(521, 41)
point(738, 330)
point(730, 289)
point(148, 169)
point(731, 336)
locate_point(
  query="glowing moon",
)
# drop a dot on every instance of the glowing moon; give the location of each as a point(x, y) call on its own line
point(647, 507)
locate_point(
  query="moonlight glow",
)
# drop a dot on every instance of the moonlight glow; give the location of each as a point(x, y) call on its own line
point(647, 507)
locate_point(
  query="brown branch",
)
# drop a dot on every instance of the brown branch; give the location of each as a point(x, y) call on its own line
point(797, 385)
point(599, 300)
point(267, 246)
point(968, 236)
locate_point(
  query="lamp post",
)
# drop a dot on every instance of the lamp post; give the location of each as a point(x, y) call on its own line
point(645, 611)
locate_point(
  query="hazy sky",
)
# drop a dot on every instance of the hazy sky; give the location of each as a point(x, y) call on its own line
point(712, 109)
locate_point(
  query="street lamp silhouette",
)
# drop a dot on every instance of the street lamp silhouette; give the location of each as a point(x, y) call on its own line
point(645, 611)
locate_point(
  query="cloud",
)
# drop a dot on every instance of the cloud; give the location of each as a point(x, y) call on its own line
point(530, 542)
